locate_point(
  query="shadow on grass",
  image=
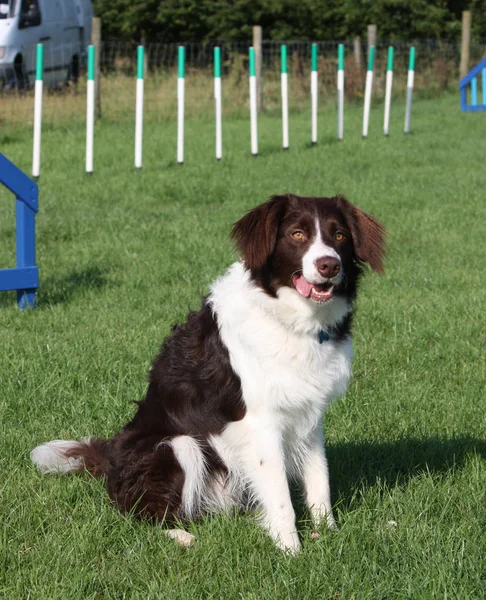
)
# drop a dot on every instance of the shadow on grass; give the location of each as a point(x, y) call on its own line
point(361, 464)
point(62, 290)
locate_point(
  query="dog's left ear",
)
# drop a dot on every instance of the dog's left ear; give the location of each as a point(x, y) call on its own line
point(256, 233)
point(368, 236)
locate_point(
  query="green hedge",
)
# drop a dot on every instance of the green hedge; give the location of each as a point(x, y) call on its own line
point(232, 20)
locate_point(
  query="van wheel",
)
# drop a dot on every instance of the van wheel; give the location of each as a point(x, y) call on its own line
point(73, 71)
point(20, 78)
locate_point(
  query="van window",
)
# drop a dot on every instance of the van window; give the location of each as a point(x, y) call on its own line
point(7, 8)
point(30, 15)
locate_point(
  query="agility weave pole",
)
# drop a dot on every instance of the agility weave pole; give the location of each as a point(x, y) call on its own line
point(340, 92)
point(90, 110)
point(410, 78)
point(139, 108)
point(24, 278)
point(314, 94)
point(368, 90)
point(388, 91)
point(180, 105)
point(253, 104)
point(285, 97)
point(39, 67)
point(218, 103)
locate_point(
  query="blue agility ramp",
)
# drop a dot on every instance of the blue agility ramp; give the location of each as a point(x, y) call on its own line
point(471, 80)
point(25, 276)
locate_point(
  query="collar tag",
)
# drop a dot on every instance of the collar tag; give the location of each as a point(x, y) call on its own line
point(323, 336)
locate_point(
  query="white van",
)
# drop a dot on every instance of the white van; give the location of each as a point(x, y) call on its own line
point(63, 26)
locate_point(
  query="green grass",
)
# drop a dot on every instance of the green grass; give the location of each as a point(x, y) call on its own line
point(122, 256)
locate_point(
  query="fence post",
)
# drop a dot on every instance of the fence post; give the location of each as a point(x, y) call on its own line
point(357, 53)
point(371, 38)
point(465, 42)
point(257, 45)
point(96, 42)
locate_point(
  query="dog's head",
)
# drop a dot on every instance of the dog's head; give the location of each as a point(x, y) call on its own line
point(317, 246)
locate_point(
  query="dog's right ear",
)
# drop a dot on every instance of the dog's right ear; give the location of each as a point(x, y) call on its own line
point(256, 233)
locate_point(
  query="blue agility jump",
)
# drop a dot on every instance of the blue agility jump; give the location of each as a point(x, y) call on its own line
point(471, 79)
point(25, 276)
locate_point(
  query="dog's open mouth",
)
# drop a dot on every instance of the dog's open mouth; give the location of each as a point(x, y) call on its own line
point(318, 292)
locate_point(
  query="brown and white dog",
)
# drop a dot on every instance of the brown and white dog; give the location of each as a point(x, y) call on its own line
point(236, 395)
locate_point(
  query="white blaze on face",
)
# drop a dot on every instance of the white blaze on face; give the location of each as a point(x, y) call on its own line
point(318, 249)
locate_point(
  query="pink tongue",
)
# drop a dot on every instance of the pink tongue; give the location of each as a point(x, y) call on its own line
point(303, 286)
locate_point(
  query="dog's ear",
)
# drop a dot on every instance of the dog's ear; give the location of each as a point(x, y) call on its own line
point(255, 234)
point(368, 236)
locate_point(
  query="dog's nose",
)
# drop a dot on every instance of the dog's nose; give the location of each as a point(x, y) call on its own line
point(328, 266)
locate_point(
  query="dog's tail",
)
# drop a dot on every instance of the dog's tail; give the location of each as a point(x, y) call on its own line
point(65, 456)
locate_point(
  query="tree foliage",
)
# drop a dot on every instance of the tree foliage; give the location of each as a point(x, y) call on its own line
point(232, 20)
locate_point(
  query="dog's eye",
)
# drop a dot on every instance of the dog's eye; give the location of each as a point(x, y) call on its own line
point(298, 235)
point(339, 237)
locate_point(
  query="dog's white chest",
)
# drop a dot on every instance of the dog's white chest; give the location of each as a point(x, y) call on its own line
point(286, 375)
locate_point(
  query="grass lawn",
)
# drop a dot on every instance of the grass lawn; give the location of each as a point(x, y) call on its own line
point(124, 254)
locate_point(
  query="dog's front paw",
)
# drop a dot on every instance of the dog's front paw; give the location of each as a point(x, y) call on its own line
point(289, 543)
point(331, 523)
point(321, 515)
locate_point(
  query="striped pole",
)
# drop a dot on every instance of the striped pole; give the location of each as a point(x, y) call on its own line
point(388, 91)
point(218, 101)
point(368, 88)
point(314, 94)
point(180, 107)
point(39, 67)
point(139, 108)
point(411, 73)
point(90, 106)
point(340, 90)
point(285, 97)
point(253, 104)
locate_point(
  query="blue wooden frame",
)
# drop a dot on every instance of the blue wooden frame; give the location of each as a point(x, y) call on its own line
point(25, 276)
point(471, 79)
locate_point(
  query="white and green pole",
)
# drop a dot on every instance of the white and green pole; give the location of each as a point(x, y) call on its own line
point(340, 91)
point(410, 78)
point(90, 107)
point(314, 94)
point(253, 104)
point(180, 106)
point(139, 108)
point(285, 97)
point(218, 103)
point(388, 91)
point(39, 67)
point(368, 88)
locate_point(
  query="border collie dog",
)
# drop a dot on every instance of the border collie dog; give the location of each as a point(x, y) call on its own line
point(236, 395)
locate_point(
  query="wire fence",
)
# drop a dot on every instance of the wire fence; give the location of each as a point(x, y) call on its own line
point(436, 72)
